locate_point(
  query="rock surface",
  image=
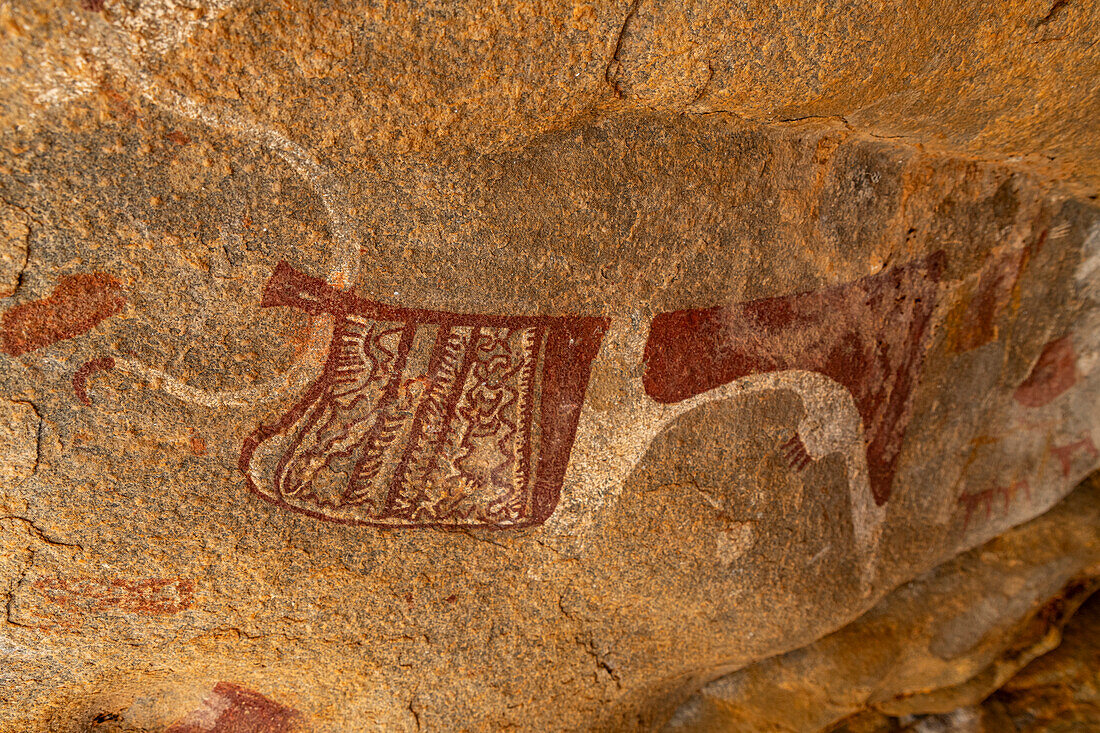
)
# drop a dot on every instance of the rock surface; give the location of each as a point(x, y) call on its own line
point(937, 645)
point(1058, 692)
point(520, 366)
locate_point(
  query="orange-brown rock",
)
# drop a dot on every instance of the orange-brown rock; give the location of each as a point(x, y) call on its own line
point(484, 366)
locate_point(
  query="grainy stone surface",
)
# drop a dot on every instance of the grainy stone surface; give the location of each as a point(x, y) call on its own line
point(455, 366)
point(13, 252)
point(938, 645)
point(1060, 691)
point(1056, 692)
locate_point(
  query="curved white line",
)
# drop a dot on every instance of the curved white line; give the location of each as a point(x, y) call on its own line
point(341, 266)
point(295, 379)
point(610, 443)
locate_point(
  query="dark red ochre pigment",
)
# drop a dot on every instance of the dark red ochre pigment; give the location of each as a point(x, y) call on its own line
point(76, 305)
point(231, 708)
point(1053, 374)
point(868, 335)
point(87, 369)
point(425, 418)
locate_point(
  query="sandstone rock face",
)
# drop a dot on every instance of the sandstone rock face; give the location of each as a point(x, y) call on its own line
point(1056, 692)
point(1060, 690)
point(938, 645)
point(452, 367)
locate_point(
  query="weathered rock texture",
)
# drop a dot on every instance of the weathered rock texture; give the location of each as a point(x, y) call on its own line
point(1056, 692)
point(1060, 690)
point(938, 644)
point(519, 366)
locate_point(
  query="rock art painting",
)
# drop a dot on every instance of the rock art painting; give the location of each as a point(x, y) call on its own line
point(851, 353)
point(1004, 496)
point(1066, 454)
point(1045, 420)
point(77, 304)
point(975, 321)
point(868, 336)
point(86, 370)
point(341, 265)
point(67, 601)
point(424, 418)
point(415, 418)
point(231, 708)
point(1053, 374)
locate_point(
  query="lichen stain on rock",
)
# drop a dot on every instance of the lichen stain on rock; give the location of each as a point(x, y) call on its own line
point(77, 304)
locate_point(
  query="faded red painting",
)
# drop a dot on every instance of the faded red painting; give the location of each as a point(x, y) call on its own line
point(975, 323)
point(77, 304)
point(1067, 453)
point(868, 335)
point(80, 377)
point(67, 600)
point(1053, 374)
point(424, 418)
point(1005, 496)
point(231, 708)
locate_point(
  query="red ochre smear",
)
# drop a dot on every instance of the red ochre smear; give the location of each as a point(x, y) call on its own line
point(76, 305)
point(231, 708)
point(868, 335)
point(1053, 374)
point(147, 597)
point(80, 378)
point(977, 325)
